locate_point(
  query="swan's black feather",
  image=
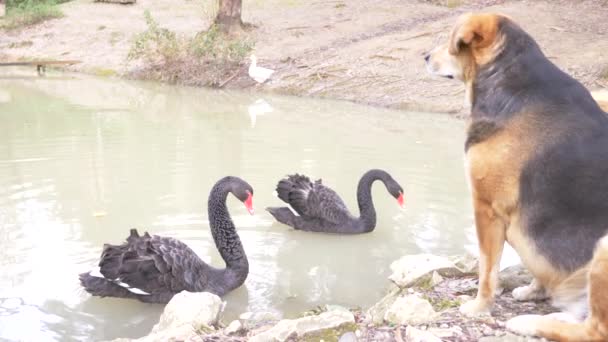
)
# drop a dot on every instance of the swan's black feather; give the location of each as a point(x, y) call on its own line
point(152, 268)
point(312, 200)
point(321, 209)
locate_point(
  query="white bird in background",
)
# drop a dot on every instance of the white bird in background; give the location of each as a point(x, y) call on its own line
point(259, 107)
point(259, 74)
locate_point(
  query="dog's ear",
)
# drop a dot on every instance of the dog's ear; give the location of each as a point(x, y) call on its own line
point(474, 31)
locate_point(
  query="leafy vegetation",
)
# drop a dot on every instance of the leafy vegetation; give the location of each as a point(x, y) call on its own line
point(154, 43)
point(206, 59)
point(212, 44)
point(22, 13)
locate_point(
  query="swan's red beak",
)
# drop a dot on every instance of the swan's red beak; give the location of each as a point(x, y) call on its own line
point(401, 200)
point(249, 203)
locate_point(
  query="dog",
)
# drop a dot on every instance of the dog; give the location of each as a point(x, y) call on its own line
point(565, 327)
point(536, 157)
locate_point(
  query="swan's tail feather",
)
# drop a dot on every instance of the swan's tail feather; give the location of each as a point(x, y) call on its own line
point(102, 287)
point(134, 236)
point(284, 187)
point(282, 214)
point(294, 187)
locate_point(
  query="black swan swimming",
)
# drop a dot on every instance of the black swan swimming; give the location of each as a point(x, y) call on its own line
point(320, 209)
point(152, 268)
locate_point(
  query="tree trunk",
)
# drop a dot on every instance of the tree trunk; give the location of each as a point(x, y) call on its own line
point(228, 17)
point(2, 8)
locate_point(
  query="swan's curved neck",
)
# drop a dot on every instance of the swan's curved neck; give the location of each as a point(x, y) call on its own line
point(225, 236)
point(364, 198)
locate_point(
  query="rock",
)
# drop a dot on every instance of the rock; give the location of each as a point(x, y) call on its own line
point(186, 316)
point(252, 319)
point(416, 335)
point(234, 327)
point(467, 264)
point(436, 278)
point(332, 307)
point(327, 326)
point(377, 311)
point(348, 337)
point(513, 277)
point(412, 270)
point(445, 332)
point(410, 309)
point(201, 309)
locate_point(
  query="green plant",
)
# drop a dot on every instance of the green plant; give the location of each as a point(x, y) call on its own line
point(29, 12)
point(155, 42)
point(213, 44)
point(209, 58)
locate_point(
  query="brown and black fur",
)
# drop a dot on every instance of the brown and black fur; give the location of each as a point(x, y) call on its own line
point(567, 329)
point(537, 158)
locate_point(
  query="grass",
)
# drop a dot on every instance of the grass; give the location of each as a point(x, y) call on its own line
point(206, 59)
point(22, 13)
point(444, 304)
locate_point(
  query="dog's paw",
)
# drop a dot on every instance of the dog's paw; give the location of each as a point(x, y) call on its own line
point(564, 317)
point(475, 307)
point(529, 293)
point(524, 324)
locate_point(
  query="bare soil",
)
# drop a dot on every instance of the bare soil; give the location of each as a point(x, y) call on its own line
point(364, 51)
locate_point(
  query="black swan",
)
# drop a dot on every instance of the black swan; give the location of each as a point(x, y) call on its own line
point(152, 268)
point(320, 209)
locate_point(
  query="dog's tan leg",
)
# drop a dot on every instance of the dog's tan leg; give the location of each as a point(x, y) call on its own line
point(534, 291)
point(491, 237)
point(559, 327)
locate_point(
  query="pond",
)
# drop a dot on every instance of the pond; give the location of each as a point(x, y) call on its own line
point(84, 159)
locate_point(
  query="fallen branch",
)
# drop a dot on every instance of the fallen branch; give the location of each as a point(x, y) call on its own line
point(228, 79)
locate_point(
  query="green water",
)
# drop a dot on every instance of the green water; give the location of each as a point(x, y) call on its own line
point(83, 160)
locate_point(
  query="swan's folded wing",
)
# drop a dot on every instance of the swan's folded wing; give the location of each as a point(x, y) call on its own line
point(157, 264)
point(325, 204)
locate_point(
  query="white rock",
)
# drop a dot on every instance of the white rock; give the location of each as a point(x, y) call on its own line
point(376, 313)
point(192, 309)
point(467, 263)
point(251, 319)
point(410, 309)
point(410, 268)
point(443, 332)
point(436, 278)
point(416, 335)
point(332, 307)
point(348, 337)
point(234, 327)
point(185, 313)
point(297, 328)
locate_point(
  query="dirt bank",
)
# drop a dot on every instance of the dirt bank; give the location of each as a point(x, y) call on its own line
point(365, 51)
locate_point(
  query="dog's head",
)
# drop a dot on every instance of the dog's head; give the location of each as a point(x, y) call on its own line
point(475, 40)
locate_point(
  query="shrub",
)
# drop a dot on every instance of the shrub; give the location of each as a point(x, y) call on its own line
point(29, 12)
point(154, 43)
point(206, 59)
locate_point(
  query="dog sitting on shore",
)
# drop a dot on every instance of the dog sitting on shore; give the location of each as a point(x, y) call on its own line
point(537, 165)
